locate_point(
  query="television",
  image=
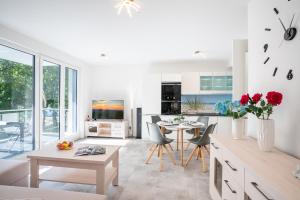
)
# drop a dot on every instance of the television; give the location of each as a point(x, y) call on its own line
point(108, 109)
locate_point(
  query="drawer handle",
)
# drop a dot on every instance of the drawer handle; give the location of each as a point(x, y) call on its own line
point(227, 183)
point(213, 144)
point(261, 192)
point(228, 163)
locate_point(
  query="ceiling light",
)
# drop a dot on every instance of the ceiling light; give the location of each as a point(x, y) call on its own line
point(129, 5)
point(200, 53)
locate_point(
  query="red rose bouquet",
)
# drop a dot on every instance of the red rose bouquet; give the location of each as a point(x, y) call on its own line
point(261, 108)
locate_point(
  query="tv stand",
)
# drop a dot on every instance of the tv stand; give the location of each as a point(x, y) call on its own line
point(106, 128)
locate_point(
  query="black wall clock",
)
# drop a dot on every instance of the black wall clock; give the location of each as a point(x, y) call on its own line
point(289, 32)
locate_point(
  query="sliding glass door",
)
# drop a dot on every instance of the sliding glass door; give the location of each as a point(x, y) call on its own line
point(38, 100)
point(16, 102)
point(70, 102)
point(50, 103)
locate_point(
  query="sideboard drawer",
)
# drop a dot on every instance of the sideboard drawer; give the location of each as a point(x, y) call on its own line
point(234, 167)
point(256, 189)
point(217, 149)
point(231, 190)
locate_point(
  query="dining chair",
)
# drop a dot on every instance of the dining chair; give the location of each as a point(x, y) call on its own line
point(202, 119)
point(201, 143)
point(159, 142)
point(155, 119)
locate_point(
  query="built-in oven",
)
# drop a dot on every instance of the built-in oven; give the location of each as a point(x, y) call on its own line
point(171, 91)
point(170, 107)
point(171, 98)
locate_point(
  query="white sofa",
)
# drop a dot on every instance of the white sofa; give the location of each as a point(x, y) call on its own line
point(14, 172)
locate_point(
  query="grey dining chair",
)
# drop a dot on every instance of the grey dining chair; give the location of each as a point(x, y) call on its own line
point(202, 119)
point(159, 142)
point(201, 143)
point(155, 119)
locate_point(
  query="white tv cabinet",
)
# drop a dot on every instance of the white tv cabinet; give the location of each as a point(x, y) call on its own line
point(106, 128)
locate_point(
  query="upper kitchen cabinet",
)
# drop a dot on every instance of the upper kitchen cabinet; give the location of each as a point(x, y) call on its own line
point(170, 77)
point(190, 83)
point(152, 94)
point(215, 83)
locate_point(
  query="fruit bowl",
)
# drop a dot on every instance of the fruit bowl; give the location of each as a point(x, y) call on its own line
point(65, 145)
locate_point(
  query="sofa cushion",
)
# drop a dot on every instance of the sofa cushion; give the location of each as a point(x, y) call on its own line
point(12, 171)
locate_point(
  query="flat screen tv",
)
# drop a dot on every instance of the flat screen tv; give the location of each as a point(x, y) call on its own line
point(108, 109)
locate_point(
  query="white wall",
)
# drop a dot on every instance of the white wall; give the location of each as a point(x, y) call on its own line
point(118, 82)
point(16, 39)
point(239, 70)
point(140, 86)
point(285, 57)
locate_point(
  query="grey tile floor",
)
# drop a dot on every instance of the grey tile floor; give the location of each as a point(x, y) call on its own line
point(142, 182)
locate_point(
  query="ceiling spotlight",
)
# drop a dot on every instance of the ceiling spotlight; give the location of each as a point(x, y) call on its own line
point(129, 5)
point(200, 53)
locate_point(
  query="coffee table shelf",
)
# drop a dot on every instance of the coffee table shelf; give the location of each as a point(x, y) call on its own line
point(80, 176)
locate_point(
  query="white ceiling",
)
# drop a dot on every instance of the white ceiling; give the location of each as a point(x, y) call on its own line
point(164, 30)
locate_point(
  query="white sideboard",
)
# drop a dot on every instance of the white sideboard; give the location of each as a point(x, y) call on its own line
point(240, 171)
point(106, 128)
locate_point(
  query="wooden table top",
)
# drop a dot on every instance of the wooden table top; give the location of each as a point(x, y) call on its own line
point(12, 192)
point(182, 126)
point(52, 153)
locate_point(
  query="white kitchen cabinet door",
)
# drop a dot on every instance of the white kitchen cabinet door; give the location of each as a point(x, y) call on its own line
point(152, 94)
point(170, 77)
point(190, 83)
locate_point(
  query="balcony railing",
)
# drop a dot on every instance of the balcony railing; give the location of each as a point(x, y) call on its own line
point(16, 129)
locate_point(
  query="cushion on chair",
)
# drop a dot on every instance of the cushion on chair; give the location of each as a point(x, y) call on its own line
point(14, 172)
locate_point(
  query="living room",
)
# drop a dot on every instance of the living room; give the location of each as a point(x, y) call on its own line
point(199, 93)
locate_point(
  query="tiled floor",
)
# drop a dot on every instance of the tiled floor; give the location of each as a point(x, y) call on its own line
point(139, 181)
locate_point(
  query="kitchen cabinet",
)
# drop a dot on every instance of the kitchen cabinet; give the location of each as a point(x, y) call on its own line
point(170, 77)
point(190, 83)
point(215, 83)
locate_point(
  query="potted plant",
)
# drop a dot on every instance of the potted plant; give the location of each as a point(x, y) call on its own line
point(237, 111)
point(262, 109)
point(178, 119)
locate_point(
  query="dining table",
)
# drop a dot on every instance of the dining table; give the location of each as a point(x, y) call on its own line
point(180, 128)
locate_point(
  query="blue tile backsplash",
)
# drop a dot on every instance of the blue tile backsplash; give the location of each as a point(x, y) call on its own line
point(202, 102)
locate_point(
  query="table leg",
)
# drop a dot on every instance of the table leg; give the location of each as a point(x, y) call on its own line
point(100, 180)
point(177, 141)
point(197, 132)
point(181, 149)
point(115, 164)
point(34, 173)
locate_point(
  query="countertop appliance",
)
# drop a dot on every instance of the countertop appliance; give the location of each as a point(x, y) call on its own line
point(171, 98)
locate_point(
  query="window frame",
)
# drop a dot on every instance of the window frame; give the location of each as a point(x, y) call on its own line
point(38, 79)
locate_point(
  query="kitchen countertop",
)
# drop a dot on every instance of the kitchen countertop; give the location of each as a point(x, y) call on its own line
point(192, 114)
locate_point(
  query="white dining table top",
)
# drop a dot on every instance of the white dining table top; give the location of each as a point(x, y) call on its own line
point(184, 126)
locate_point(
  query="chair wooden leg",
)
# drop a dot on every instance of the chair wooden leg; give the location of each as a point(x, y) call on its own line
point(160, 158)
point(171, 148)
point(158, 151)
point(198, 153)
point(170, 155)
point(150, 154)
point(203, 160)
point(191, 156)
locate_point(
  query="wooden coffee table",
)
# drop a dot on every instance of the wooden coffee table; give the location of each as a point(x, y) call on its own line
point(68, 168)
